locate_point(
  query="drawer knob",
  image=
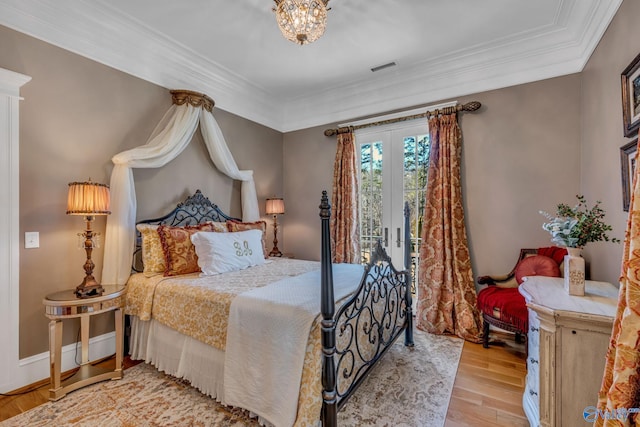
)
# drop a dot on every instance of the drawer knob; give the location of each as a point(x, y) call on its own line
point(532, 360)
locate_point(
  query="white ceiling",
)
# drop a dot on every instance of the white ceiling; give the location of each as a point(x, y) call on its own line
point(233, 50)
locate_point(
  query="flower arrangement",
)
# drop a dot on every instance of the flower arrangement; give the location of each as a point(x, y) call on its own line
point(574, 227)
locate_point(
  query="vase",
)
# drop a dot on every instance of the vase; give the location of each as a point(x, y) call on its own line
point(574, 272)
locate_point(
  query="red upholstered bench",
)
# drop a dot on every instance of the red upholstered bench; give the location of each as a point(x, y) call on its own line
point(500, 302)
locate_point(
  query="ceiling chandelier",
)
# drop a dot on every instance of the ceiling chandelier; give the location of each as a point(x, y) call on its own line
point(301, 21)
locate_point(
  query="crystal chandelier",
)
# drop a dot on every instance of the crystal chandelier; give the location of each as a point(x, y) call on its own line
point(301, 21)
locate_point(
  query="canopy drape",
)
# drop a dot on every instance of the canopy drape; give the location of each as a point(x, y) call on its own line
point(168, 140)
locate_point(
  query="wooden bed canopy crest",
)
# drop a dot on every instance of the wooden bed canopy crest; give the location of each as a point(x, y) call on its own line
point(196, 99)
point(469, 106)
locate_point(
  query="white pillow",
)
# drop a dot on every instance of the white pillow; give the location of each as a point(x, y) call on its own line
point(224, 252)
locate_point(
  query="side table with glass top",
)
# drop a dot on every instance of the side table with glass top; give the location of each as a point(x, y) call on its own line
point(65, 305)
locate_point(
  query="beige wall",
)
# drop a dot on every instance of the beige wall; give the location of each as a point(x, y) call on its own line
point(520, 155)
point(308, 169)
point(76, 114)
point(602, 134)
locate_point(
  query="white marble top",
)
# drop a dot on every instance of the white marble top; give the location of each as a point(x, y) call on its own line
point(599, 297)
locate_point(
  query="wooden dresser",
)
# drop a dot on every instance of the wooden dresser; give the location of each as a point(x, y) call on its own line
point(567, 342)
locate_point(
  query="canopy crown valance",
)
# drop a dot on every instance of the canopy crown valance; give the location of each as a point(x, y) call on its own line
point(196, 99)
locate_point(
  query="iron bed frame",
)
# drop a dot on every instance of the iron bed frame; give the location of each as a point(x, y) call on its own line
point(380, 308)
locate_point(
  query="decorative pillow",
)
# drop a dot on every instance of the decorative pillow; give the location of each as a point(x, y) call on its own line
point(179, 253)
point(218, 227)
point(557, 254)
point(222, 252)
point(537, 265)
point(234, 226)
point(152, 255)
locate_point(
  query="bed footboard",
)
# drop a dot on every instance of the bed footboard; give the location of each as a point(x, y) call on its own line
point(362, 330)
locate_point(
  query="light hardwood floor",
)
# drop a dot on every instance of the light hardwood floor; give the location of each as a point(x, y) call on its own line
point(487, 390)
point(489, 384)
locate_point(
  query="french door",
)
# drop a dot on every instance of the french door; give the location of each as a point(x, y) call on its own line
point(393, 170)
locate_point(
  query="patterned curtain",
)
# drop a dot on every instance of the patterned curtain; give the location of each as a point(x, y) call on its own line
point(446, 289)
point(345, 227)
point(621, 381)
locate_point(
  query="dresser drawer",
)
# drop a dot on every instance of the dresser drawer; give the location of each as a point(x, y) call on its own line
point(533, 334)
point(531, 409)
point(532, 388)
point(533, 342)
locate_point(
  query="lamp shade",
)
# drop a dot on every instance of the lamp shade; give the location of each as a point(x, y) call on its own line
point(275, 206)
point(88, 198)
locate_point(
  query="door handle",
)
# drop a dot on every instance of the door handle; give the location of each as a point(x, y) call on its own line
point(398, 241)
point(386, 237)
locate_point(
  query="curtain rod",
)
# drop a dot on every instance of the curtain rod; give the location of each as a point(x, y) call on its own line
point(469, 106)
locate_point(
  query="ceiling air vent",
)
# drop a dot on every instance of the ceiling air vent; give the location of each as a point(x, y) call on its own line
point(383, 66)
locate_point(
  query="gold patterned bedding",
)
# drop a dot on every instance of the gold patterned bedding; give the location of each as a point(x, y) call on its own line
point(199, 306)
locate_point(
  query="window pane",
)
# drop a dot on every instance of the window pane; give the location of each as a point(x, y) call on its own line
point(422, 154)
point(370, 197)
point(410, 162)
point(416, 164)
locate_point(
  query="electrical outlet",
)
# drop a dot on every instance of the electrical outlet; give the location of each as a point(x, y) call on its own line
point(31, 239)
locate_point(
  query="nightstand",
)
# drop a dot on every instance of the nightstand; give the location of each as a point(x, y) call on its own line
point(65, 305)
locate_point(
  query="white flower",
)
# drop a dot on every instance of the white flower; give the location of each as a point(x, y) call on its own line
point(560, 229)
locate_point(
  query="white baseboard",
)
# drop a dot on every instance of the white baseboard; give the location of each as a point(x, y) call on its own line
point(36, 368)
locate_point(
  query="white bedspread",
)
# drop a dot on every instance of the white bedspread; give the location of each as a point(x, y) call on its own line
point(267, 339)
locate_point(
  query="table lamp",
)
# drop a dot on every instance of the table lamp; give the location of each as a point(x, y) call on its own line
point(275, 207)
point(88, 199)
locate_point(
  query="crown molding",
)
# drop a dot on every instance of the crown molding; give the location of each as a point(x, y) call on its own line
point(559, 49)
point(97, 31)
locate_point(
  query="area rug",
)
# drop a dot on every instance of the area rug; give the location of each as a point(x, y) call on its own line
point(410, 387)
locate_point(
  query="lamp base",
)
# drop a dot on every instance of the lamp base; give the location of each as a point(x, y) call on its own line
point(275, 252)
point(89, 288)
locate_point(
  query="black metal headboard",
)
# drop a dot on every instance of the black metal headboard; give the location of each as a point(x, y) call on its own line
point(195, 209)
